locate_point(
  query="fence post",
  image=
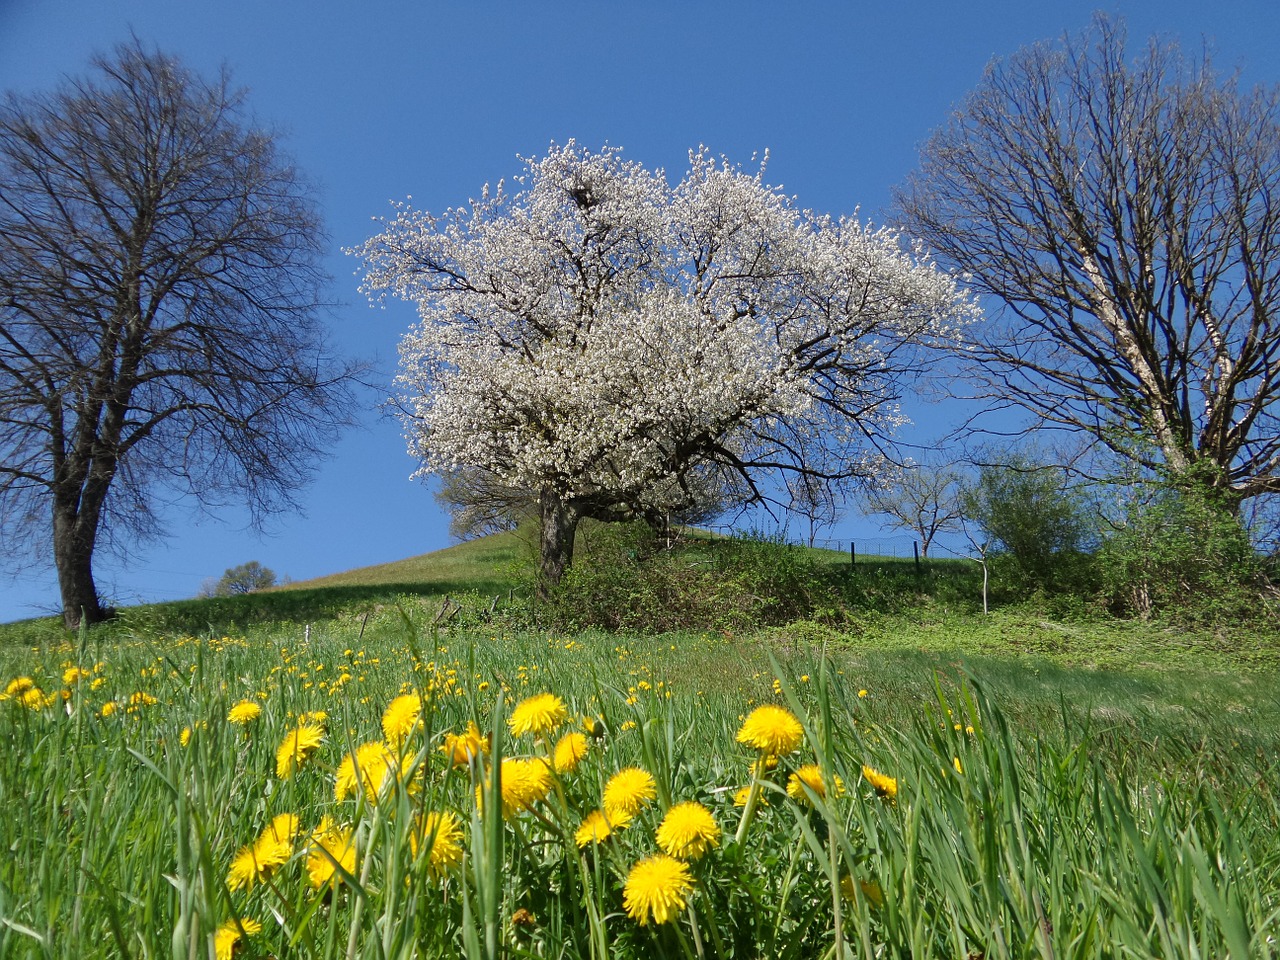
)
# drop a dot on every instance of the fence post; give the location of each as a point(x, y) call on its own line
point(915, 549)
point(853, 555)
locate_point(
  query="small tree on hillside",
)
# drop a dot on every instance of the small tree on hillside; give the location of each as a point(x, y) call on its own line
point(245, 578)
point(1030, 513)
point(614, 343)
point(817, 502)
point(921, 498)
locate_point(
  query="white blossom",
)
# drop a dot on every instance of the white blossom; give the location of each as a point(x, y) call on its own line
point(603, 335)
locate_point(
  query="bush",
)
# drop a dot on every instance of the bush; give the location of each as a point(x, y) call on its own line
point(1179, 553)
point(1038, 525)
point(624, 578)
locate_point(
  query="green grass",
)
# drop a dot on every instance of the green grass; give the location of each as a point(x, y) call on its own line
point(1115, 796)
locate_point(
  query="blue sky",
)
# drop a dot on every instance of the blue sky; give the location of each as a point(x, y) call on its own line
point(378, 101)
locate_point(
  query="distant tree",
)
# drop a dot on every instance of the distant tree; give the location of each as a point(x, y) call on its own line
point(159, 312)
point(613, 343)
point(818, 503)
point(1126, 212)
point(1029, 512)
point(921, 498)
point(246, 578)
point(478, 503)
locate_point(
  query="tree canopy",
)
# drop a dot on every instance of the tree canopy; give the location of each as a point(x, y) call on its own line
point(1126, 213)
point(161, 298)
point(617, 343)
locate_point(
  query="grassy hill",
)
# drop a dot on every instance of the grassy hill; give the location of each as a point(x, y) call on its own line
point(1037, 763)
point(481, 564)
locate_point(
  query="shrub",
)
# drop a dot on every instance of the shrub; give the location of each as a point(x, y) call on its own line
point(1038, 524)
point(625, 578)
point(1179, 553)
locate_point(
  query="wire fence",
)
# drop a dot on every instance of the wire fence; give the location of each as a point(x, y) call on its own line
point(858, 548)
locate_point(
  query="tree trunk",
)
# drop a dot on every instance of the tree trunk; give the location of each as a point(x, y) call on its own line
point(73, 557)
point(559, 525)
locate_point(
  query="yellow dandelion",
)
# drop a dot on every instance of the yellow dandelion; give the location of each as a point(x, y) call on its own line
point(297, 745)
point(18, 686)
point(810, 775)
point(955, 762)
point(569, 751)
point(330, 846)
point(313, 716)
point(371, 767)
point(628, 790)
point(184, 737)
point(772, 730)
point(254, 863)
point(688, 831)
point(596, 826)
point(402, 715)
point(108, 708)
point(73, 675)
point(525, 781)
point(540, 714)
point(441, 834)
point(246, 711)
point(657, 889)
point(884, 785)
point(228, 935)
point(34, 699)
point(869, 888)
point(763, 764)
point(245, 870)
point(462, 748)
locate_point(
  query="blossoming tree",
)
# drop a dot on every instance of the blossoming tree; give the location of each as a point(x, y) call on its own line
point(615, 343)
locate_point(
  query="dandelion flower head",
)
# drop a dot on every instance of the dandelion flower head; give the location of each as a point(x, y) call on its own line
point(657, 889)
point(884, 785)
point(772, 730)
point(596, 826)
point(371, 766)
point(297, 745)
point(228, 935)
point(330, 846)
point(246, 711)
point(525, 781)
point(442, 831)
point(462, 748)
point(254, 863)
point(810, 775)
point(18, 686)
point(540, 714)
point(569, 751)
point(628, 790)
point(401, 717)
point(688, 831)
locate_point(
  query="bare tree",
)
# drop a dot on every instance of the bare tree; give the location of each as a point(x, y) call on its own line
point(479, 503)
point(921, 498)
point(1127, 214)
point(814, 500)
point(159, 292)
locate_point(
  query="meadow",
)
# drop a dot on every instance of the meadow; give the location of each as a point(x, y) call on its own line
point(348, 770)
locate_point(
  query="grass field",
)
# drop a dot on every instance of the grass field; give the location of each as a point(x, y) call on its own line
point(274, 776)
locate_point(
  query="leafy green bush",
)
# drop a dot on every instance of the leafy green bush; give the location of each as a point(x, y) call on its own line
point(1178, 553)
point(1037, 523)
point(626, 579)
